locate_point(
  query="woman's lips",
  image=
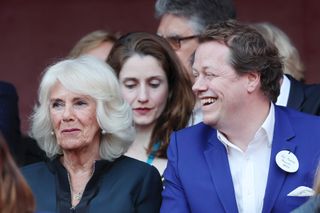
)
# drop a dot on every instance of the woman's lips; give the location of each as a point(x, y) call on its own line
point(70, 130)
point(142, 111)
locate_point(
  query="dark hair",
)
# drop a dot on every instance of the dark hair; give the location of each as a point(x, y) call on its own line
point(201, 12)
point(15, 194)
point(181, 99)
point(249, 52)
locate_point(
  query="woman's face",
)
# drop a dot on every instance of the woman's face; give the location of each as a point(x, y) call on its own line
point(74, 119)
point(144, 85)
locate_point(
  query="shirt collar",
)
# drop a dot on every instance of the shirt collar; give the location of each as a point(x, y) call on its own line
point(267, 126)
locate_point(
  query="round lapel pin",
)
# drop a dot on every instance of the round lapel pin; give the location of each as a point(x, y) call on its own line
point(287, 161)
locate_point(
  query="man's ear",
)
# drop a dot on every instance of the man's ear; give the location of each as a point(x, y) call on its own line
point(253, 81)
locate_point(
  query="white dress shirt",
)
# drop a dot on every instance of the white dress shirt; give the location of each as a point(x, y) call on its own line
point(249, 169)
point(196, 115)
point(284, 92)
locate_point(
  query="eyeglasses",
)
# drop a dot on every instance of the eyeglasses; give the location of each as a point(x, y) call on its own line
point(175, 41)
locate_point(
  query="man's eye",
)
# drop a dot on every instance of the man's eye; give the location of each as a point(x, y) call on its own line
point(195, 74)
point(210, 75)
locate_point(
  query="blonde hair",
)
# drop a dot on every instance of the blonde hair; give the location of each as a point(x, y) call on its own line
point(91, 41)
point(93, 77)
point(292, 62)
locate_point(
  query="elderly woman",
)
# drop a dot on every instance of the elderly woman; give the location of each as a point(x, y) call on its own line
point(85, 127)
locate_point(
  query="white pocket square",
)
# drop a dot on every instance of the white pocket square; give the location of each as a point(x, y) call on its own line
point(302, 191)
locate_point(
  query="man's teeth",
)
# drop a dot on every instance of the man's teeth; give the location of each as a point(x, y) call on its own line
point(208, 101)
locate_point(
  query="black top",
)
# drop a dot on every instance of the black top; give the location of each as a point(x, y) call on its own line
point(124, 185)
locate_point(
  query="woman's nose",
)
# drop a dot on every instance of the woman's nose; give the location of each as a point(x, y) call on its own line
point(143, 94)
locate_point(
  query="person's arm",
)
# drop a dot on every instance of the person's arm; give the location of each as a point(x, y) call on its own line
point(173, 196)
point(149, 198)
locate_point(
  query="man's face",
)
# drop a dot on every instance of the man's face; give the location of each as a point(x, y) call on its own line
point(222, 92)
point(176, 27)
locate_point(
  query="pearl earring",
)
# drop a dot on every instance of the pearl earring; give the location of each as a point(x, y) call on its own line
point(103, 131)
point(52, 133)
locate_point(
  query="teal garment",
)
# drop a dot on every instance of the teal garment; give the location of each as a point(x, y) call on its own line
point(311, 206)
point(153, 153)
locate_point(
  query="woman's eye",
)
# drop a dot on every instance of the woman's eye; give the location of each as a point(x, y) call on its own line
point(155, 84)
point(57, 104)
point(129, 86)
point(80, 103)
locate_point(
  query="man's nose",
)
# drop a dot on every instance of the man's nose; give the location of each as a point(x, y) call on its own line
point(199, 85)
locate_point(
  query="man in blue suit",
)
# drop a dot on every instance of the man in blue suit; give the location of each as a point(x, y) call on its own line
point(248, 155)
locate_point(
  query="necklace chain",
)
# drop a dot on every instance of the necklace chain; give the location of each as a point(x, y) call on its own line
point(77, 196)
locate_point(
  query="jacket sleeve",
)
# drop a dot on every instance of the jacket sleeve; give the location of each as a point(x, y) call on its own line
point(174, 199)
point(149, 198)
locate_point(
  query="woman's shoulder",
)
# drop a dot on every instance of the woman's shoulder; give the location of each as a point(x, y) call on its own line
point(133, 167)
point(33, 167)
point(32, 171)
point(133, 163)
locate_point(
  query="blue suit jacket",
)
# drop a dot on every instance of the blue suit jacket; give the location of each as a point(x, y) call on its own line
point(198, 177)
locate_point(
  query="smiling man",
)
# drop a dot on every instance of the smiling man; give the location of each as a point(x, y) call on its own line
point(248, 155)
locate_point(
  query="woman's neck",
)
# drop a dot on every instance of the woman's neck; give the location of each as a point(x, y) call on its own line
point(79, 160)
point(143, 135)
point(138, 148)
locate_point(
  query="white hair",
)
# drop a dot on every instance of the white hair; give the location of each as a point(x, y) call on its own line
point(88, 76)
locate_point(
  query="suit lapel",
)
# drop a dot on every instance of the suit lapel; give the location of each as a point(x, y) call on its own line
point(283, 132)
point(217, 160)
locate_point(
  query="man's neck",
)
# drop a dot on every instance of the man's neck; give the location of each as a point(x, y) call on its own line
point(243, 129)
